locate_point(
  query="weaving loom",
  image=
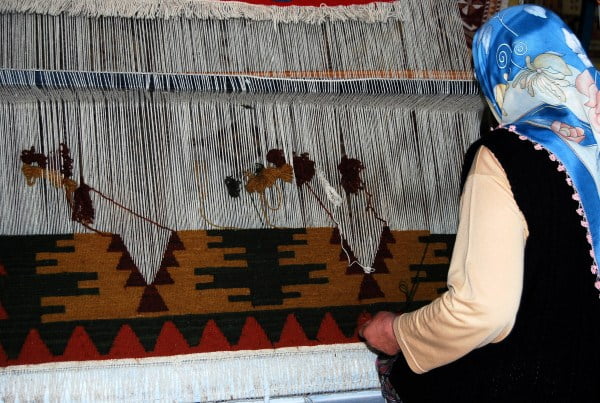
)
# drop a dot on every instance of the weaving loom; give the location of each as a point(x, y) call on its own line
point(203, 200)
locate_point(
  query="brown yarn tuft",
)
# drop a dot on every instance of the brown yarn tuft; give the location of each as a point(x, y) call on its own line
point(285, 172)
point(30, 157)
point(83, 210)
point(350, 169)
point(66, 165)
point(304, 168)
point(276, 157)
point(262, 179)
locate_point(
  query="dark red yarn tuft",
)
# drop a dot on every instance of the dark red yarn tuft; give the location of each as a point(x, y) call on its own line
point(30, 157)
point(83, 210)
point(304, 168)
point(350, 169)
point(276, 157)
point(66, 165)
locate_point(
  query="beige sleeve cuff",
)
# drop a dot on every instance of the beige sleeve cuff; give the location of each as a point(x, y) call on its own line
point(485, 278)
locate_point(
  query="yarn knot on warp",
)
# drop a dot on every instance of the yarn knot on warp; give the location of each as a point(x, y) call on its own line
point(30, 157)
point(304, 168)
point(265, 178)
point(276, 157)
point(32, 173)
point(83, 209)
point(350, 170)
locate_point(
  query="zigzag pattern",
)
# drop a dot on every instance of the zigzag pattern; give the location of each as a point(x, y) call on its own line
point(80, 346)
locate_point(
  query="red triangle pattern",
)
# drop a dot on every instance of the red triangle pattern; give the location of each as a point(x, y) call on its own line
point(34, 350)
point(363, 318)
point(253, 336)
point(80, 347)
point(293, 335)
point(330, 333)
point(212, 339)
point(170, 341)
point(126, 345)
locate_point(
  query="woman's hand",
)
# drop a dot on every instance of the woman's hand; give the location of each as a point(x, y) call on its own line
point(379, 333)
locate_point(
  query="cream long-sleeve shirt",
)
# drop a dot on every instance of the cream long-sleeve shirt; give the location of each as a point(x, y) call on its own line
point(485, 278)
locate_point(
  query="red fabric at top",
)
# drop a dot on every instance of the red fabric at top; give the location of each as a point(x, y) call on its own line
point(314, 3)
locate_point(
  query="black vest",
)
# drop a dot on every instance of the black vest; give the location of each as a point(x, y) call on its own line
point(552, 353)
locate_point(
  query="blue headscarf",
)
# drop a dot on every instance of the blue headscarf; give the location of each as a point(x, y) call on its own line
point(540, 84)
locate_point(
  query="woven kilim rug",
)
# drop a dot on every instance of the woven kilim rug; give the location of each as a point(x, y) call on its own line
point(80, 297)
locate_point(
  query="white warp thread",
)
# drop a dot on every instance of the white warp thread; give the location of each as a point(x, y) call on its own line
point(427, 44)
point(221, 376)
point(165, 157)
point(204, 9)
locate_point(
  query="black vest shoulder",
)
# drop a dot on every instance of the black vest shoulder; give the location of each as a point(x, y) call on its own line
point(552, 351)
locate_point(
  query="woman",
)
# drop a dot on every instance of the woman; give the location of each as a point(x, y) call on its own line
point(521, 318)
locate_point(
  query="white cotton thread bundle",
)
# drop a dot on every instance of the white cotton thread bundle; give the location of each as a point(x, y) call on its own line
point(429, 43)
point(197, 377)
point(332, 195)
point(159, 162)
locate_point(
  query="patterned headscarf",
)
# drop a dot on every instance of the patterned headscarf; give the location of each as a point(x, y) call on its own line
point(541, 85)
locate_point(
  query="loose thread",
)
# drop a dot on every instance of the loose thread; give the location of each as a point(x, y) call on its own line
point(129, 210)
point(263, 203)
point(415, 285)
point(320, 202)
point(201, 196)
point(371, 208)
point(102, 233)
point(279, 194)
point(256, 210)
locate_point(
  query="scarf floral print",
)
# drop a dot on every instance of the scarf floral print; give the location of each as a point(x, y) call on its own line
point(540, 84)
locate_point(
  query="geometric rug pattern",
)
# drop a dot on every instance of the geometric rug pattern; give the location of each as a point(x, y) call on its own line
point(80, 296)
